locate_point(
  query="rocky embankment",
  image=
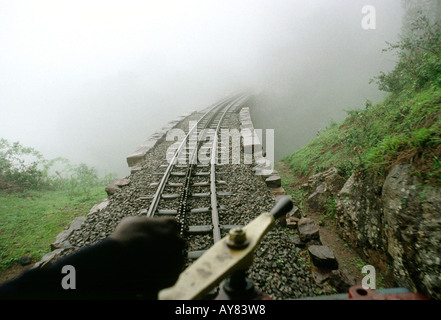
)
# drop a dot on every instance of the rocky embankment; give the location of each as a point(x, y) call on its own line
point(394, 221)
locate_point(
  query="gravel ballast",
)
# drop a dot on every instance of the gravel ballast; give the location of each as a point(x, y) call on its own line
point(280, 269)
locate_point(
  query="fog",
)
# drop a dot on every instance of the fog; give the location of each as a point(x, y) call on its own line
point(91, 80)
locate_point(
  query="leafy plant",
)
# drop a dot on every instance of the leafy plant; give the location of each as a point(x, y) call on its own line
point(24, 168)
point(331, 213)
point(419, 52)
point(19, 166)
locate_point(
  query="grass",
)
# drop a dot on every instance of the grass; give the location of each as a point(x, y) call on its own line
point(30, 221)
point(404, 127)
point(290, 183)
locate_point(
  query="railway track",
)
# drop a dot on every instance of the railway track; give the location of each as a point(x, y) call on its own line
point(189, 187)
point(169, 183)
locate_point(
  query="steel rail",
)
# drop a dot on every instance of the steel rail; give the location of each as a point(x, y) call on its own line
point(157, 197)
point(189, 172)
point(213, 162)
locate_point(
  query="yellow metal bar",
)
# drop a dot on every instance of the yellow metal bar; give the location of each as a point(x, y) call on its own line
point(217, 263)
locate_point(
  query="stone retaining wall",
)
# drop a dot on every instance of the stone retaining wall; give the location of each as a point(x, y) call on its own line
point(253, 146)
point(138, 155)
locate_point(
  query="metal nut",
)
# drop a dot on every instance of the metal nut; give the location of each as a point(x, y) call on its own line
point(237, 239)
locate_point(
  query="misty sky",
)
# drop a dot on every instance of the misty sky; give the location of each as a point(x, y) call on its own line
point(90, 80)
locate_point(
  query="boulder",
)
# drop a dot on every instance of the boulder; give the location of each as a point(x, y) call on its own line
point(273, 182)
point(322, 187)
point(77, 223)
point(294, 213)
point(412, 214)
point(322, 257)
point(135, 169)
point(111, 189)
point(98, 207)
point(277, 191)
point(321, 276)
point(62, 239)
point(48, 258)
point(121, 182)
point(307, 230)
point(360, 216)
point(114, 187)
point(261, 163)
point(266, 173)
point(318, 200)
point(291, 222)
point(341, 280)
point(298, 242)
point(263, 167)
point(331, 179)
point(396, 223)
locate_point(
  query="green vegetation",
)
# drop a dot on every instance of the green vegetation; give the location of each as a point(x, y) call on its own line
point(24, 168)
point(39, 198)
point(406, 126)
point(30, 221)
point(401, 128)
point(289, 180)
point(331, 209)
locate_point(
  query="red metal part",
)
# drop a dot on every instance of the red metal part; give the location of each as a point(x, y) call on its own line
point(359, 293)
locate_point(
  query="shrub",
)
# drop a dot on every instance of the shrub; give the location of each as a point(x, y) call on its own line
point(419, 52)
point(23, 168)
point(19, 166)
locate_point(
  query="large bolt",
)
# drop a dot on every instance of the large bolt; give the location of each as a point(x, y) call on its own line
point(237, 239)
